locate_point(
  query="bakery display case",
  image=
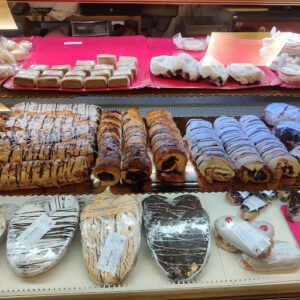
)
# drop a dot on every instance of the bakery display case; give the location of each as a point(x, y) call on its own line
point(62, 159)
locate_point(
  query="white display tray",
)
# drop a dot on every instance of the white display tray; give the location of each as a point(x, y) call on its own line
point(222, 276)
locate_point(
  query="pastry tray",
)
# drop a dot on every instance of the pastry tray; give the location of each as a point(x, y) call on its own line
point(222, 276)
point(189, 181)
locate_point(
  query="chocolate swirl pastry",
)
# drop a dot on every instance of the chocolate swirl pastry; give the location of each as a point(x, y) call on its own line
point(272, 151)
point(208, 152)
point(108, 164)
point(288, 132)
point(47, 173)
point(294, 207)
point(248, 164)
point(178, 234)
point(166, 142)
point(136, 165)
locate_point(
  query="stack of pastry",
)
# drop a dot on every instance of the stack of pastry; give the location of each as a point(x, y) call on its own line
point(85, 73)
point(44, 145)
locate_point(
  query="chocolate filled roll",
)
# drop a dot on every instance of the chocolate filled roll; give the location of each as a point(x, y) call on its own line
point(248, 164)
point(166, 142)
point(136, 166)
point(108, 164)
point(272, 151)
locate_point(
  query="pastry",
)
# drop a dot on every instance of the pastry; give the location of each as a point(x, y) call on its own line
point(102, 73)
point(271, 150)
point(63, 68)
point(75, 73)
point(243, 236)
point(163, 66)
point(289, 73)
point(248, 164)
point(288, 132)
point(110, 237)
point(40, 68)
point(7, 57)
point(106, 59)
point(108, 164)
point(119, 81)
point(294, 207)
point(207, 151)
point(237, 198)
point(54, 73)
point(86, 69)
point(95, 82)
point(47, 173)
point(268, 196)
point(19, 54)
point(26, 44)
point(275, 113)
point(6, 71)
point(166, 142)
point(128, 59)
point(48, 82)
point(54, 227)
point(101, 67)
point(136, 165)
point(3, 227)
point(90, 63)
point(75, 82)
point(178, 234)
point(26, 78)
point(245, 73)
point(285, 256)
point(126, 72)
point(186, 67)
point(127, 65)
point(251, 207)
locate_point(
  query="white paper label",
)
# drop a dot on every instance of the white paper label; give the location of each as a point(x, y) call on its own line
point(282, 252)
point(111, 253)
point(72, 43)
point(251, 238)
point(254, 203)
point(244, 194)
point(36, 230)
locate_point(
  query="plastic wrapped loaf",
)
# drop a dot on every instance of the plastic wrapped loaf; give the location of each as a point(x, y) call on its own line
point(208, 152)
point(275, 113)
point(243, 236)
point(189, 44)
point(6, 71)
point(285, 256)
point(40, 233)
point(178, 234)
point(294, 207)
point(163, 66)
point(110, 237)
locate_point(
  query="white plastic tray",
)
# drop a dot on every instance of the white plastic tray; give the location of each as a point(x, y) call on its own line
point(222, 275)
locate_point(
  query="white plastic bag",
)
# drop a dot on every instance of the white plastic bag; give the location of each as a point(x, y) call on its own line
point(190, 44)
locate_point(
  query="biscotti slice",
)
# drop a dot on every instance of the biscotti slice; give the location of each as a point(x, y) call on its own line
point(75, 73)
point(130, 59)
point(86, 69)
point(40, 68)
point(128, 65)
point(119, 81)
point(26, 78)
point(108, 59)
point(101, 67)
point(74, 82)
point(90, 63)
point(48, 82)
point(52, 73)
point(126, 72)
point(110, 237)
point(63, 68)
point(102, 73)
point(95, 82)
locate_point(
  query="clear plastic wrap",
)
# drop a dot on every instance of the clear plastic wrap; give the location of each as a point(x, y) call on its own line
point(190, 44)
point(178, 234)
point(6, 71)
point(252, 207)
point(7, 57)
point(26, 44)
point(289, 73)
point(285, 256)
point(110, 237)
point(292, 45)
point(243, 236)
point(40, 233)
point(7, 211)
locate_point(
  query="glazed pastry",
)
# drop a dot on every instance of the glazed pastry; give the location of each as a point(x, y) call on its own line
point(42, 151)
point(108, 164)
point(54, 226)
point(294, 207)
point(285, 256)
point(245, 73)
point(247, 162)
point(36, 174)
point(243, 236)
point(55, 73)
point(95, 82)
point(272, 151)
point(268, 196)
point(237, 198)
point(118, 81)
point(166, 142)
point(136, 166)
point(186, 67)
point(275, 113)
point(288, 132)
point(63, 68)
point(252, 207)
point(207, 151)
point(107, 59)
point(69, 82)
point(178, 234)
point(48, 82)
point(110, 237)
